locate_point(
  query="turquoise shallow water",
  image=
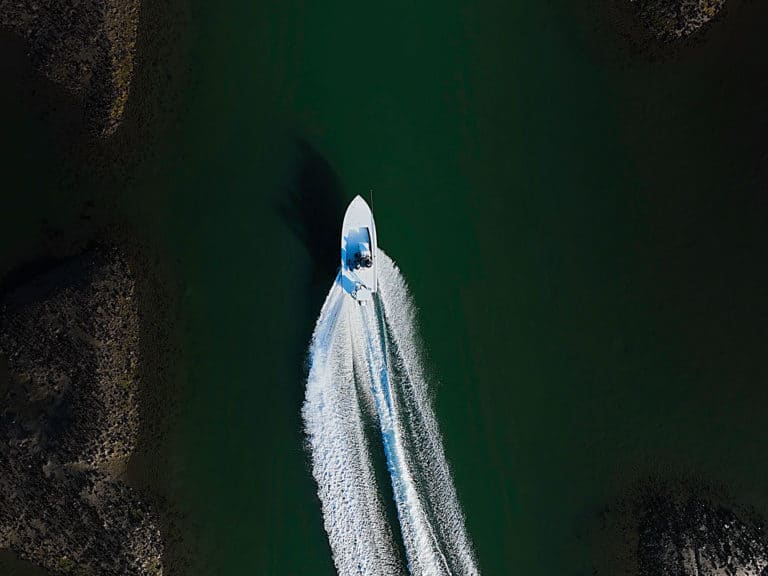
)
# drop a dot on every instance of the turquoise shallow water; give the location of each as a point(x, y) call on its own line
point(581, 229)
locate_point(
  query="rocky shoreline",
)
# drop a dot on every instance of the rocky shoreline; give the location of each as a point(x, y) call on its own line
point(670, 20)
point(86, 46)
point(696, 537)
point(69, 422)
point(684, 529)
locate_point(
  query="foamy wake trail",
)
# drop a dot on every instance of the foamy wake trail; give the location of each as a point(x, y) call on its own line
point(365, 364)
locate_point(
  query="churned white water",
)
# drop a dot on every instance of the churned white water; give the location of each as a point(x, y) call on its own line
point(365, 365)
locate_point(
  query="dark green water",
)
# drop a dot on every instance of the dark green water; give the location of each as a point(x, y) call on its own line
point(582, 230)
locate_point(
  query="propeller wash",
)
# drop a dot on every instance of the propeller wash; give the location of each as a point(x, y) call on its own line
point(366, 390)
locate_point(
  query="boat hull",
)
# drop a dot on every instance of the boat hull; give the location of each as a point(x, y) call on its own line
point(359, 251)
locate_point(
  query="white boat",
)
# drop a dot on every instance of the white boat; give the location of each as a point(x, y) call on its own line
point(358, 251)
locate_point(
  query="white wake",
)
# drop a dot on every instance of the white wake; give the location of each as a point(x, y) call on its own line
point(365, 367)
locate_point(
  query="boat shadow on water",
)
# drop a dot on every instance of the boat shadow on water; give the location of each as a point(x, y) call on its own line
point(312, 204)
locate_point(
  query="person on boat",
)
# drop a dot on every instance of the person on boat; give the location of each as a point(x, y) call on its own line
point(362, 259)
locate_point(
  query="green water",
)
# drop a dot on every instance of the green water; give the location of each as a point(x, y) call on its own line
point(582, 231)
